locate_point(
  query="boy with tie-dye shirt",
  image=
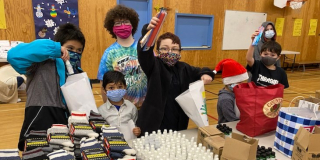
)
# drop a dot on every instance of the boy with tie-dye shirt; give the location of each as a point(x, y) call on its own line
point(122, 23)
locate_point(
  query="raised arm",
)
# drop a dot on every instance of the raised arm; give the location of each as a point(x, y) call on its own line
point(249, 57)
point(146, 58)
point(22, 56)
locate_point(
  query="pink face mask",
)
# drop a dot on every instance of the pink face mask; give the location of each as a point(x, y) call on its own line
point(123, 31)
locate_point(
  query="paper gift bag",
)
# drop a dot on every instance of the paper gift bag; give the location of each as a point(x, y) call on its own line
point(258, 106)
point(78, 94)
point(311, 103)
point(193, 103)
point(289, 121)
point(127, 130)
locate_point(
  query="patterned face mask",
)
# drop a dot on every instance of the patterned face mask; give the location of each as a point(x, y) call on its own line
point(170, 58)
point(116, 95)
point(75, 60)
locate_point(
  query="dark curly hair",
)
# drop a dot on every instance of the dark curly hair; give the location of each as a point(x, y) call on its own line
point(169, 35)
point(121, 12)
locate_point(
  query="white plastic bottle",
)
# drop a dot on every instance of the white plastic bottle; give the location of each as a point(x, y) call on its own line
point(216, 157)
point(69, 67)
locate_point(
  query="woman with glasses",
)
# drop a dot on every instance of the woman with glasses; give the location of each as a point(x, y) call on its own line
point(122, 22)
point(167, 79)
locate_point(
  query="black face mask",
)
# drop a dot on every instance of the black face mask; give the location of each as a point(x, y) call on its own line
point(268, 61)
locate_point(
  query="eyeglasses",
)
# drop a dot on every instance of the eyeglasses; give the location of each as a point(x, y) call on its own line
point(173, 50)
point(125, 22)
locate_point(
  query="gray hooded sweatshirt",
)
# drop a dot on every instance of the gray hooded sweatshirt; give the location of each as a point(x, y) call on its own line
point(225, 106)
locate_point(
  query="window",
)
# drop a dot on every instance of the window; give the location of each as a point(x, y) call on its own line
point(195, 31)
point(144, 10)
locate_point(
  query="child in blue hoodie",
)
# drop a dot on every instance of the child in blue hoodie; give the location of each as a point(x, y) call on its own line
point(43, 62)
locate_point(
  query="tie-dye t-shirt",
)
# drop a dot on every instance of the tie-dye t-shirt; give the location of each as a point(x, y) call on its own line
point(125, 60)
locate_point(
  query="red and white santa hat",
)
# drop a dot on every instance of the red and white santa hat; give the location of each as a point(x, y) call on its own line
point(232, 71)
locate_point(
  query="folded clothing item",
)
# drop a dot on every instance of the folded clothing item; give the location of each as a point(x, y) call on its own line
point(9, 154)
point(78, 117)
point(97, 121)
point(60, 155)
point(114, 142)
point(63, 139)
point(58, 128)
point(82, 129)
point(58, 147)
point(34, 154)
point(91, 148)
point(36, 139)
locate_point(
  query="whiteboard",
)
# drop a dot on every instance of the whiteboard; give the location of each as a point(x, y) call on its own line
point(238, 28)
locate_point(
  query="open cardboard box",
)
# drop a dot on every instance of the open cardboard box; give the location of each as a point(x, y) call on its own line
point(306, 144)
point(239, 147)
point(215, 144)
point(208, 131)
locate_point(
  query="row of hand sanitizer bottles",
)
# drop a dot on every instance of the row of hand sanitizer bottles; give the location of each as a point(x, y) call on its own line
point(170, 145)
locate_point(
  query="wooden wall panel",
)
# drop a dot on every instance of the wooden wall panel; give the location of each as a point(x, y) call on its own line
point(20, 24)
point(92, 13)
point(91, 22)
point(307, 45)
point(217, 8)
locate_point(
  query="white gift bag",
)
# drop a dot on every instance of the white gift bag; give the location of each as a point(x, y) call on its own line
point(193, 103)
point(127, 130)
point(78, 94)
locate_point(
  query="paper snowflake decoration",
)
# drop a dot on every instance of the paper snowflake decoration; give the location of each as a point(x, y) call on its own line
point(60, 1)
point(55, 30)
point(49, 23)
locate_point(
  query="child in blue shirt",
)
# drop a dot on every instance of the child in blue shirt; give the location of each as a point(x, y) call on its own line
point(43, 62)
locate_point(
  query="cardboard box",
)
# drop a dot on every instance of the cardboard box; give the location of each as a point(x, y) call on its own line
point(318, 94)
point(215, 144)
point(306, 145)
point(208, 131)
point(239, 147)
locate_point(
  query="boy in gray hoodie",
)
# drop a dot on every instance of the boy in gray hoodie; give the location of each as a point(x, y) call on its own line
point(233, 73)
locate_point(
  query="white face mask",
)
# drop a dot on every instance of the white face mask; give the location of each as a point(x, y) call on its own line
point(269, 34)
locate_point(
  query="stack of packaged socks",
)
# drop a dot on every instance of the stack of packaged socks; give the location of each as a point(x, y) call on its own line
point(115, 145)
point(9, 154)
point(36, 139)
point(79, 128)
point(59, 138)
point(97, 121)
point(91, 149)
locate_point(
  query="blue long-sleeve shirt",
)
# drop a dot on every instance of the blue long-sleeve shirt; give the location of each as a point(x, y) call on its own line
point(43, 87)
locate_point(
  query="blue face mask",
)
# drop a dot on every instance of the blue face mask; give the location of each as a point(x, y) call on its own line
point(231, 86)
point(75, 60)
point(116, 95)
